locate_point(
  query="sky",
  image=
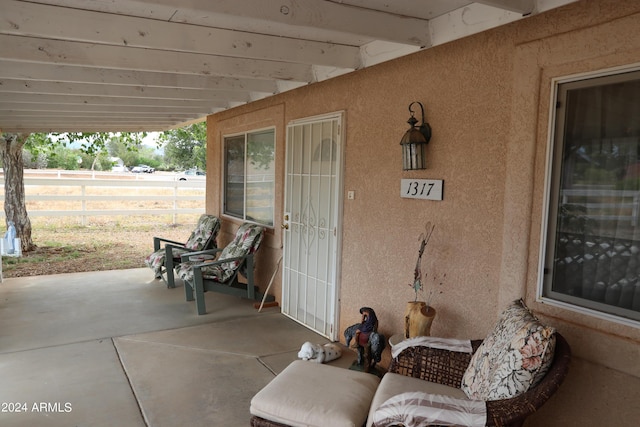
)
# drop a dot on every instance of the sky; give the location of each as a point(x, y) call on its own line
point(150, 139)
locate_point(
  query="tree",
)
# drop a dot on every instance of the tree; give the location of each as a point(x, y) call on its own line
point(11, 147)
point(15, 208)
point(185, 148)
point(118, 147)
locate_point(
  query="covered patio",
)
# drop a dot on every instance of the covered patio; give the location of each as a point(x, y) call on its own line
point(494, 83)
point(118, 348)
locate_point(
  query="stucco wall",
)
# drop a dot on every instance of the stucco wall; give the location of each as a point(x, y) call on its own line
point(487, 99)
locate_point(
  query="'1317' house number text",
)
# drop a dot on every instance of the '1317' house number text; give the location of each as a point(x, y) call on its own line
point(427, 189)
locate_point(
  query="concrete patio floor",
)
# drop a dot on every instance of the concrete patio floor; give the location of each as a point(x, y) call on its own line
point(117, 348)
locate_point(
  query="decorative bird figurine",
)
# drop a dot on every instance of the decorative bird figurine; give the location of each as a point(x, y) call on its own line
point(367, 340)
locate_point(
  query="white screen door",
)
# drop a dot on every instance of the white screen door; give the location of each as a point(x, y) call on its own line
point(311, 223)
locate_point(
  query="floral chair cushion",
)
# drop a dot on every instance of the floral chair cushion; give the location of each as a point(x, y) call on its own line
point(207, 226)
point(247, 241)
point(514, 357)
point(155, 261)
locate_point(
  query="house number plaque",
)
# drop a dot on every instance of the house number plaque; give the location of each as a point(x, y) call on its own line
point(427, 189)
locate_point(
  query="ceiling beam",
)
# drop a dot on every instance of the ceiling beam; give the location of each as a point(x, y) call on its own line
point(101, 100)
point(119, 65)
point(112, 114)
point(89, 89)
point(29, 49)
point(68, 73)
point(302, 14)
point(116, 30)
point(523, 7)
point(30, 106)
point(87, 120)
point(472, 19)
point(72, 127)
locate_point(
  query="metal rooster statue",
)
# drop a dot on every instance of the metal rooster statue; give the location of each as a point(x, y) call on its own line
point(367, 340)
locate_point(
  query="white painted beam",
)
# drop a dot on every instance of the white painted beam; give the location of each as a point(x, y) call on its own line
point(469, 20)
point(88, 89)
point(305, 15)
point(71, 122)
point(85, 54)
point(49, 121)
point(102, 100)
point(106, 76)
point(30, 106)
point(380, 51)
point(112, 114)
point(90, 128)
point(46, 121)
point(523, 7)
point(103, 28)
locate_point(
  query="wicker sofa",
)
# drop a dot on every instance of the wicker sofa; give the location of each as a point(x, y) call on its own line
point(435, 368)
point(447, 368)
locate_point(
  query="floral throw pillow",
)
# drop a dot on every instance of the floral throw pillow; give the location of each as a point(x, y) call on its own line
point(514, 357)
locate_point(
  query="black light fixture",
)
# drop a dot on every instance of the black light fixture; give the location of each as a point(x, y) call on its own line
point(414, 141)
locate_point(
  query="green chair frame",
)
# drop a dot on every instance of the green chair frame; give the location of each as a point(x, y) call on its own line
point(170, 262)
point(195, 289)
point(232, 286)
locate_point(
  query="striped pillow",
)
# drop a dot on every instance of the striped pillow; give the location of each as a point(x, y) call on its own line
point(421, 409)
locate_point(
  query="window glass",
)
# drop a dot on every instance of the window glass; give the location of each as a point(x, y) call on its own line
point(234, 176)
point(593, 245)
point(250, 176)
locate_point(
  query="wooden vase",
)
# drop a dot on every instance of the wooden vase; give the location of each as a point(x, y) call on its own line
point(418, 319)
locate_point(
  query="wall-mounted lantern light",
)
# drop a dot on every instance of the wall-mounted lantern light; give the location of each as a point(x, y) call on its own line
point(414, 141)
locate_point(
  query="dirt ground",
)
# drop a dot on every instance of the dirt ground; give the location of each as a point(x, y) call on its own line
point(102, 245)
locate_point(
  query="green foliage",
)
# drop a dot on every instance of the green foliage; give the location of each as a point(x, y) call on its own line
point(87, 142)
point(597, 175)
point(92, 143)
point(118, 147)
point(38, 148)
point(261, 154)
point(150, 158)
point(185, 148)
point(573, 219)
point(629, 184)
point(65, 158)
point(53, 150)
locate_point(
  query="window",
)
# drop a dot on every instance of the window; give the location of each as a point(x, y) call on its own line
point(249, 176)
point(592, 261)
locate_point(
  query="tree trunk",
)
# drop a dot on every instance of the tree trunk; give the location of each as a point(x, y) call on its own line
point(15, 207)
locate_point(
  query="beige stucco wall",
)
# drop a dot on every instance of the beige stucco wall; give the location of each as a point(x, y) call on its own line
point(487, 99)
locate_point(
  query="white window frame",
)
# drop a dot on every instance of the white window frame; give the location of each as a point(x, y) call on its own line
point(546, 242)
point(224, 176)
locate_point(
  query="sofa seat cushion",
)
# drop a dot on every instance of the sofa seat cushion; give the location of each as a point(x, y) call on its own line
point(396, 384)
point(313, 394)
point(513, 358)
point(417, 409)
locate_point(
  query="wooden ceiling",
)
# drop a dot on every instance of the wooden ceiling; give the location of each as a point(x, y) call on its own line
point(148, 65)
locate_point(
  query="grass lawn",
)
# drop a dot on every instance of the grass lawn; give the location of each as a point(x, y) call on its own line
point(104, 243)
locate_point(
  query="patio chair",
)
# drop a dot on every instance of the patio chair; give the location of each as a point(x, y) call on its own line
point(436, 381)
point(221, 275)
point(164, 259)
